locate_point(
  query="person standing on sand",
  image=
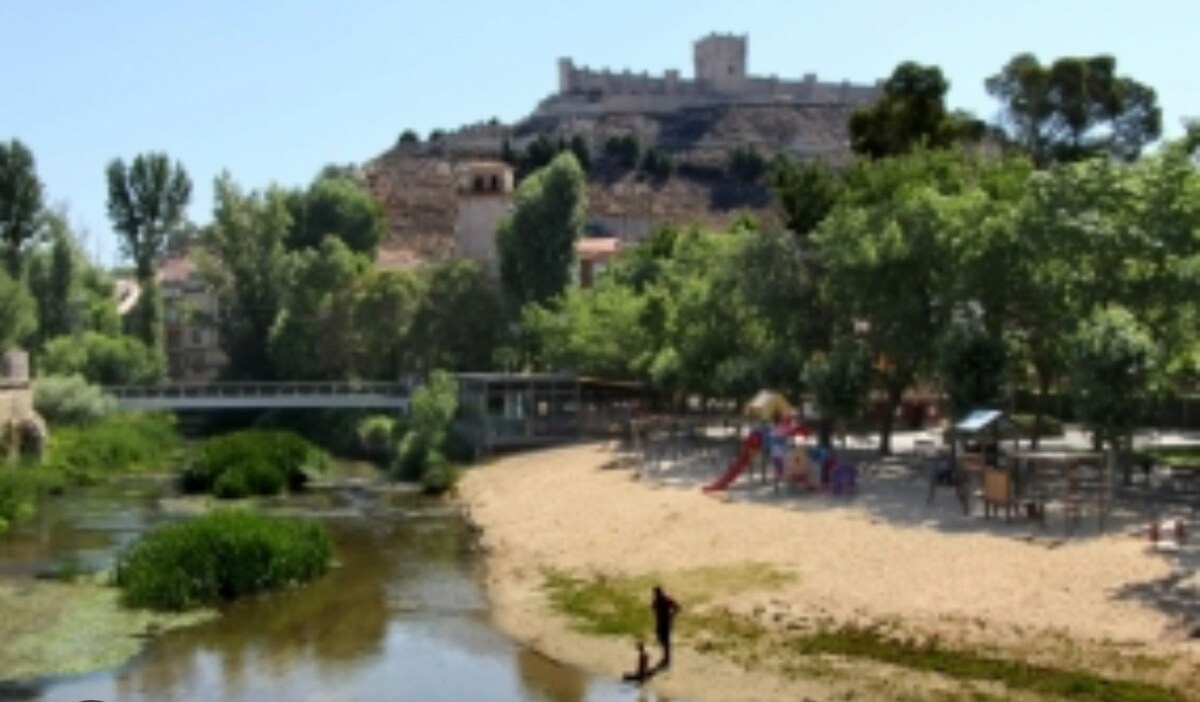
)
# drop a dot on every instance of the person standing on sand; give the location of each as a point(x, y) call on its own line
point(665, 610)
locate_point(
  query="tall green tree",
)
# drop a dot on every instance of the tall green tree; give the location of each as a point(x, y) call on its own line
point(53, 280)
point(537, 244)
point(885, 250)
point(245, 261)
point(313, 337)
point(385, 308)
point(146, 203)
point(20, 203)
point(460, 321)
point(335, 205)
point(593, 331)
point(1074, 108)
point(17, 315)
point(103, 360)
point(1113, 361)
point(910, 114)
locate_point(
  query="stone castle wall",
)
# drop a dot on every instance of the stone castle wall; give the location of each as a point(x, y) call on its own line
point(721, 78)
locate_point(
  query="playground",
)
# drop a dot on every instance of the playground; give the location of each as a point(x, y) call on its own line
point(881, 556)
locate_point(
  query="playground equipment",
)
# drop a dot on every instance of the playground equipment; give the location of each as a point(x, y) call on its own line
point(750, 446)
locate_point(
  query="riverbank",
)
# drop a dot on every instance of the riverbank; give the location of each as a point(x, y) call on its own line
point(844, 602)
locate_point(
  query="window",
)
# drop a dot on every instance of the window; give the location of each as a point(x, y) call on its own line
point(196, 336)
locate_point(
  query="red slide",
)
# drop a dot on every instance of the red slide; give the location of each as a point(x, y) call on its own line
point(750, 446)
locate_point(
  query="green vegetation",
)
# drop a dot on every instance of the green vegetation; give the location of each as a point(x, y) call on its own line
point(103, 359)
point(252, 462)
point(1025, 423)
point(119, 443)
point(85, 454)
point(220, 556)
point(620, 607)
point(421, 452)
point(70, 399)
point(1176, 457)
point(21, 486)
point(57, 628)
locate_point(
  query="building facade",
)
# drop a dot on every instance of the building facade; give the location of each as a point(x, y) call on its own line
point(190, 309)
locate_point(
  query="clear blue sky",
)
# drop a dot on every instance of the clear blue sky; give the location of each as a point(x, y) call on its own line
point(271, 91)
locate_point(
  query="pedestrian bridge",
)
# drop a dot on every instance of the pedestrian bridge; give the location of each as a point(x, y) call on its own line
point(262, 395)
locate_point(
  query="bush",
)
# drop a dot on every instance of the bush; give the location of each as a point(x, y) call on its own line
point(218, 557)
point(70, 399)
point(376, 436)
point(439, 476)
point(252, 462)
point(102, 359)
point(119, 443)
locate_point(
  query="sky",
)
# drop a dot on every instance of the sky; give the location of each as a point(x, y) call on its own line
point(272, 91)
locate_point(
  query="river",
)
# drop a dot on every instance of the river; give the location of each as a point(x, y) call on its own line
point(402, 615)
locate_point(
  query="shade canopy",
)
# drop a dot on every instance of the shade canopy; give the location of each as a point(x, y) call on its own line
point(766, 404)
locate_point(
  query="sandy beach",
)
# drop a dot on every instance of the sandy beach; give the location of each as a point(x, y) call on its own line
point(883, 558)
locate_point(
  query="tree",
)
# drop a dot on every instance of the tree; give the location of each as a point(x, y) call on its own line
point(246, 265)
point(52, 281)
point(840, 380)
point(623, 150)
point(335, 205)
point(885, 251)
point(146, 203)
point(20, 203)
point(972, 368)
point(911, 113)
point(804, 191)
point(593, 332)
point(384, 311)
point(103, 360)
point(460, 320)
point(408, 137)
point(313, 336)
point(1075, 108)
point(583, 154)
point(16, 311)
point(1113, 359)
point(537, 244)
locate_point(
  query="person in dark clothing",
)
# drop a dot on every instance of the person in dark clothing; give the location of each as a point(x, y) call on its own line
point(642, 673)
point(665, 610)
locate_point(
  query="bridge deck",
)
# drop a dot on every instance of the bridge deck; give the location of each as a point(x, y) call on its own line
point(284, 395)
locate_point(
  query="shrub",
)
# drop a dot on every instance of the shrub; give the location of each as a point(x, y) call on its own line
point(439, 476)
point(70, 399)
point(252, 462)
point(118, 443)
point(376, 436)
point(106, 360)
point(426, 437)
point(220, 556)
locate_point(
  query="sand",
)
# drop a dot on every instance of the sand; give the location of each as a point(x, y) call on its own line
point(986, 586)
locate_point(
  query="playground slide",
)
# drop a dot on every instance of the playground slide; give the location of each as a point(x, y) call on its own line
point(750, 446)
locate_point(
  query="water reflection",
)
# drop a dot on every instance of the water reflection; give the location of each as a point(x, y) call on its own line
point(402, 616)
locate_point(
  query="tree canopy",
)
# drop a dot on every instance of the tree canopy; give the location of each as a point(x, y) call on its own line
point(537, 244)
point(1075, 108)
point(20, 203)
point(911, 113)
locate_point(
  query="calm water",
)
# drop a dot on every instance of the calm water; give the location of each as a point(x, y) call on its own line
point(402, 617)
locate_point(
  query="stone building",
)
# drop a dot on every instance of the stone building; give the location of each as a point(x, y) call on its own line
point(485, 192)
point(190, 309)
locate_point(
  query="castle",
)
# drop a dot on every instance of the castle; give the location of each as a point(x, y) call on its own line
point(721, 78)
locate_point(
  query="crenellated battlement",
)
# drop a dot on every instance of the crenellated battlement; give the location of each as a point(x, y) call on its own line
point(720, 65)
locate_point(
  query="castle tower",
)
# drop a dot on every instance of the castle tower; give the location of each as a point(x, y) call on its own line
point(721, 61)
point(485, 191)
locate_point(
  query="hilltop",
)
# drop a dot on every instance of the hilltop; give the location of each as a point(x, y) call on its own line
point(694, 127)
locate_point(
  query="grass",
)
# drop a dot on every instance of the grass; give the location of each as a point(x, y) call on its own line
point(121, 443)
point(619, 607)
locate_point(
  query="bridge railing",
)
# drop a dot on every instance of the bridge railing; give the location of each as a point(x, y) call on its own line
point(258, 389)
